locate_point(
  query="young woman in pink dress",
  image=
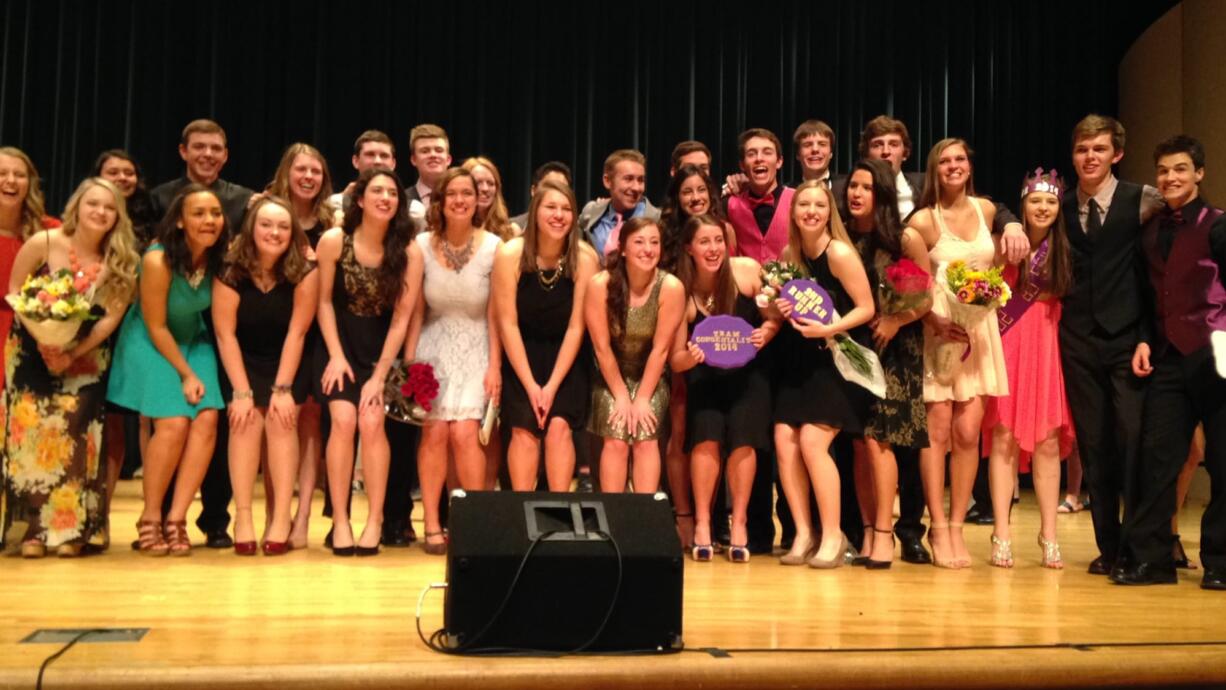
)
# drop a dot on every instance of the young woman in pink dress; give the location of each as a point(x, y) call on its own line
point(1034, 418)
point(955, 225)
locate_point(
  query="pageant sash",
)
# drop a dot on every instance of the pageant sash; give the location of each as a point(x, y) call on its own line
point(1022, 300)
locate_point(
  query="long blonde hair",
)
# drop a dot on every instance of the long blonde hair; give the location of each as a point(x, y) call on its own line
point(496, 219)
point(118, 247)
point(33, 208)
point(834, 224)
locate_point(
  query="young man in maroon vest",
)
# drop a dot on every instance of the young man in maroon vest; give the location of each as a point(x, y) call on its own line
point(1185, 253)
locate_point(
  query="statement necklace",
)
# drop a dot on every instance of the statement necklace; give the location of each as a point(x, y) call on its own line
point(87, 273)
point(551, 282)
point(457, 259)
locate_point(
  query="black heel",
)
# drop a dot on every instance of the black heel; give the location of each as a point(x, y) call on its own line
point(870, 564)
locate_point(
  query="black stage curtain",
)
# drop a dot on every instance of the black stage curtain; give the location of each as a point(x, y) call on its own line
point(525, 82)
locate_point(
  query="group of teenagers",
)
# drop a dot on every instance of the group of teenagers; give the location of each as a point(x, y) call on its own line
point(250, 329)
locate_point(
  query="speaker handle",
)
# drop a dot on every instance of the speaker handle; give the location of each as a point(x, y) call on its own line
point(574, 510)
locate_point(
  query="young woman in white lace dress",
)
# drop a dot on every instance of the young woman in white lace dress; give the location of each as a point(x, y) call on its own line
point(451, 331)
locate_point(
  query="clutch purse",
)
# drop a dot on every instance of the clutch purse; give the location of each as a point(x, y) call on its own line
point(488, 422)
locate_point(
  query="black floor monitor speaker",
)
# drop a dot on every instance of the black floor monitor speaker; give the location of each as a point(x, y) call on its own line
point(603, 563)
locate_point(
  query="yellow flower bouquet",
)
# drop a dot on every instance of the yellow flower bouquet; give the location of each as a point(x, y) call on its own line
point(972, 295)
point(52, 307)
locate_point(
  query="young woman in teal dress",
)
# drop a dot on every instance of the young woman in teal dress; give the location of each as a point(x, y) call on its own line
point(55, 477)
point(166, 367)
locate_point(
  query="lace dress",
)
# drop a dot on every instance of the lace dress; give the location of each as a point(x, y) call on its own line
point(455, 337)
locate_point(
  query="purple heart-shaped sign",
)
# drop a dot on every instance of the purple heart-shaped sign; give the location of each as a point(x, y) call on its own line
point(724, 341)
point(809, 300)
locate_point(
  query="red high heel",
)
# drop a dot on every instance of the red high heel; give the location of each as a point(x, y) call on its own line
point(276, 548)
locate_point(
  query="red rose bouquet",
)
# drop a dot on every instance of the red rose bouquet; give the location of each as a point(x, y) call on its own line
point(904, 287)
point(410, 391)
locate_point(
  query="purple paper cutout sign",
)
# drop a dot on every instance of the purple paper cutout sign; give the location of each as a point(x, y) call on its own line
point(809, 300)
point(724, 341)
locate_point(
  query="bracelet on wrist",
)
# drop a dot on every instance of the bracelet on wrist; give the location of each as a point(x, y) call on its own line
point(243, 395)
point(281, 388)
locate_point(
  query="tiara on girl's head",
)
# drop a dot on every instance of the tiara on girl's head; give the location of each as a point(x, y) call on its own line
point(1043, 182)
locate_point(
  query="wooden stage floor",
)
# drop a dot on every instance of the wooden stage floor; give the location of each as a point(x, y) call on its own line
point(309, 618)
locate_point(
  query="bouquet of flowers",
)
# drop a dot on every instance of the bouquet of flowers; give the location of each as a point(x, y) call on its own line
point(775, 274)
point(410, 389)
point(857, 364)
point(904, 287)
point(53, 307)
point(972, 296)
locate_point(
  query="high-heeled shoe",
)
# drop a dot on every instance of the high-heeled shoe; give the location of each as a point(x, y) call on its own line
point(738, 553)
point(177, 541)
point(33, 549)
point(151, 540)
point(869, 563)
point(948, 564)
point(69, 549)
point(435, 548)
point(1002, 552)
point(1051, 554)
point(702, 553)
point(859, 557)
point(800, 558)
point(822, 564)
point(1180, 556)
point(365, 550)
point(245, 548)
point(276, 548)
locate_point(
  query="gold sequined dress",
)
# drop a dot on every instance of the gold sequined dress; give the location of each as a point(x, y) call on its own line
point(631, 351)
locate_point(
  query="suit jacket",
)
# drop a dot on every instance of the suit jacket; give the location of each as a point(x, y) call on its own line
point(417, 209)
point(521, 220)
point(233, 197)
point(593, 210)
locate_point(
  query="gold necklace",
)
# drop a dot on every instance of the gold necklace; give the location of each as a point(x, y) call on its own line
point(548, 284)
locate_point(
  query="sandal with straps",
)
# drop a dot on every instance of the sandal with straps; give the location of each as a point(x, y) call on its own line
point(176, 538)
point(1051, 554)
point(1002, 552)
point(948, 564)
point(150, 540)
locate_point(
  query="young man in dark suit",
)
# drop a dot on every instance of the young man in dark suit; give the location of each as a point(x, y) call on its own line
point(204, 149)
point(1184, 246)
point(1102, 322)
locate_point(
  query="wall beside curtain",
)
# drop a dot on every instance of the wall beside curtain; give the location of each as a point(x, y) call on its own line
point(527, 82)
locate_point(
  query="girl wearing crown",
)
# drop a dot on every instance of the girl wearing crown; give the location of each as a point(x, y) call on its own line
point(1033, 420)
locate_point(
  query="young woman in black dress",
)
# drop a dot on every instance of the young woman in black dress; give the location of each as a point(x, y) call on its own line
point(690, 193)
point(727, 411)
point(303, 179)
point(264, 302)
point(538, 286)
point(367, 288)
point(813, 402)
point(897, 423)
